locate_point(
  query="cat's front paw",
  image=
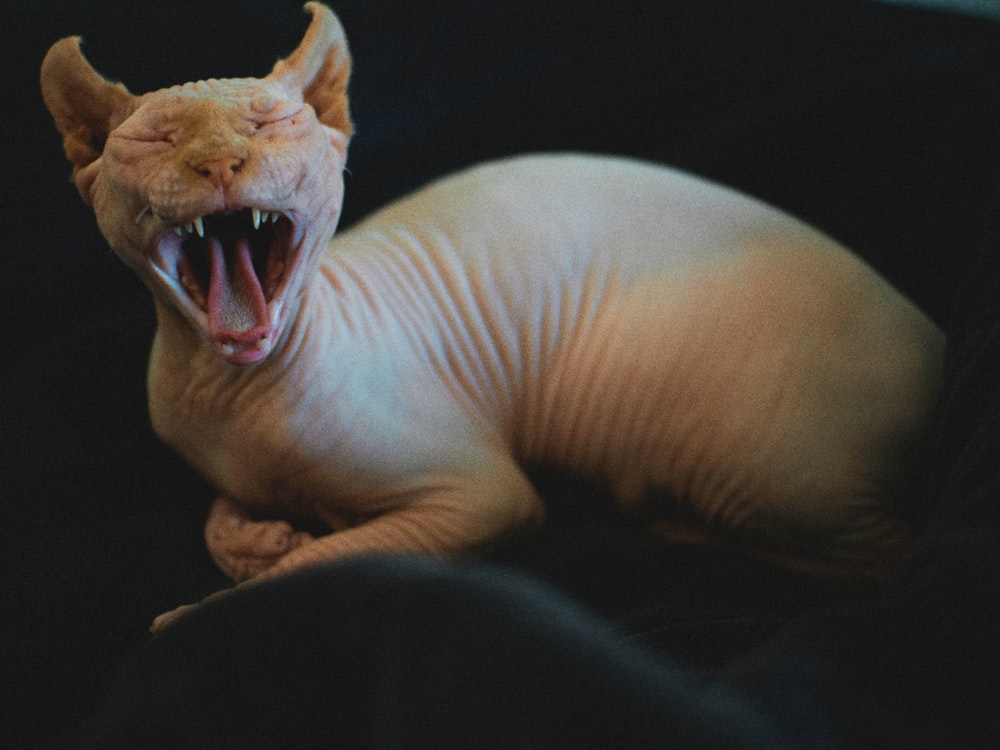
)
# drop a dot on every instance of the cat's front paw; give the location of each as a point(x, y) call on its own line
point(243, 547)
point(247, 550)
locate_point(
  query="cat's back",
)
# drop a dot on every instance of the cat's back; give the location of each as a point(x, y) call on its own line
point(553, 208)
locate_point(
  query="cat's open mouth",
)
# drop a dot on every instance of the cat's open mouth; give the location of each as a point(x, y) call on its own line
point(230, 270)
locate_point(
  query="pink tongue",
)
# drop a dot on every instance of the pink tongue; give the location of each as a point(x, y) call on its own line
point(236, 304)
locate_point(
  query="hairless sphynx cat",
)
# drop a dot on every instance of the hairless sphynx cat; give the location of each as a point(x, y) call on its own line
point(685, 344)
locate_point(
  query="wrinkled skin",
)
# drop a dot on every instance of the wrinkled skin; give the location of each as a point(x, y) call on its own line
point(683, 343)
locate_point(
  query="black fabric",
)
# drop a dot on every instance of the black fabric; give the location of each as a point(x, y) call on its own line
point(410, 653)
point(876, 123)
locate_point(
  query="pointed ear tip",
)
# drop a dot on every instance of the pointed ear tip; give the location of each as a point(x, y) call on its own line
point(63, 53)
point(316, 10)
point(322, 13)
point(66, 45)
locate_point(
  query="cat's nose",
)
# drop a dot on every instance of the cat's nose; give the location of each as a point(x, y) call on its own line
point(219, 171)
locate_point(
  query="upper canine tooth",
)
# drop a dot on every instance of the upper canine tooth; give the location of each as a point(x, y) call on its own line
point(199, 227)
point(255, 214)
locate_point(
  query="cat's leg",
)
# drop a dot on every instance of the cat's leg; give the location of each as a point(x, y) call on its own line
point(460, 511)
point(243, 547)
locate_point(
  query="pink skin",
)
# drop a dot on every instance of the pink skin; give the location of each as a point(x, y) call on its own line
point(607, 318)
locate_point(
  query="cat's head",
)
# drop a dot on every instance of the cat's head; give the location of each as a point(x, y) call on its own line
point(220, 194)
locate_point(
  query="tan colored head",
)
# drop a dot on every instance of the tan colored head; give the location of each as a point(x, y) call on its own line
point(220, 194)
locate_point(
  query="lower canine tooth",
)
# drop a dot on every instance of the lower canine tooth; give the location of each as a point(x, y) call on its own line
point(228, 349)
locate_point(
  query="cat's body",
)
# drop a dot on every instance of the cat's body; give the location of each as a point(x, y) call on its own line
point(671, 338)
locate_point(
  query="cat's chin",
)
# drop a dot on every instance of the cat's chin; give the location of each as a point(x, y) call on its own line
point(248, 348)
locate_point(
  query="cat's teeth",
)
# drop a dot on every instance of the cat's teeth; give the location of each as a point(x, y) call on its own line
point(197, 226)
point(262, 217)
point(142, 213)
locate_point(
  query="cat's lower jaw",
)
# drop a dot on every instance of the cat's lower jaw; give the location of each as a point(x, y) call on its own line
point(245, 348)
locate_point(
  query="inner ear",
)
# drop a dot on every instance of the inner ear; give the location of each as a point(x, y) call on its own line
point(86, 107)
point(320, 68)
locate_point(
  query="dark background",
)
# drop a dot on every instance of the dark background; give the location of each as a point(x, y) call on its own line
point(878, 124)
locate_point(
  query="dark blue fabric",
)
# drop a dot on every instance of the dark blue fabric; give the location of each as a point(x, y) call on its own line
point(411, 653)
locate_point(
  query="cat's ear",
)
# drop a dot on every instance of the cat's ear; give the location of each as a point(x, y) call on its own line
point(86, 106)
point(320, 69)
